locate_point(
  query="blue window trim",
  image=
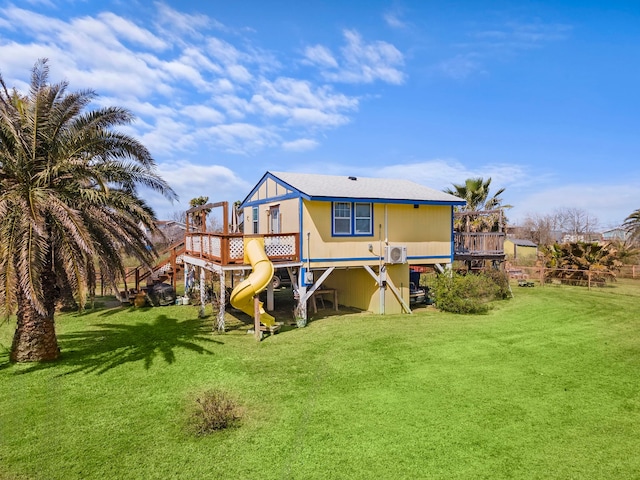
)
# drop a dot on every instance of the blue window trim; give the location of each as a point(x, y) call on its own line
point(352, 220)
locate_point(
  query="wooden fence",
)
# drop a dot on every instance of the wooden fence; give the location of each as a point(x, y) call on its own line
point(592, 277)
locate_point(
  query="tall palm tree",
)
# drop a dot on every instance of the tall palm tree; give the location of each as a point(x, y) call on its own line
point(476, 192)
point(632, 224)
point(69, 205)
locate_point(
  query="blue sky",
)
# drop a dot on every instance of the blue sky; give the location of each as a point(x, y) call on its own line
point(543, 97)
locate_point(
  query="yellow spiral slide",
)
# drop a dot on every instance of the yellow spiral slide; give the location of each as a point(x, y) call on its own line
point(242, 295)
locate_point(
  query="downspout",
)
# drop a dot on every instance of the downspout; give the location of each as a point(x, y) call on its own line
point(308, 251)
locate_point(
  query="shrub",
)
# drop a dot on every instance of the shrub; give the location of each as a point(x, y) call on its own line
point(213, 410)
point(581, 262)
point(501, 280)
point(470, 293)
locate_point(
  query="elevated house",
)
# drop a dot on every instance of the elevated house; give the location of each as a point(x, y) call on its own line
point(351, 240)
point(357, 235)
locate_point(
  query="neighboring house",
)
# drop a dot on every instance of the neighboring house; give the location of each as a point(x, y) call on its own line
point(169, 232)
point(587, 237)
point(356, 235)
point(618, 233)
point(519, 250)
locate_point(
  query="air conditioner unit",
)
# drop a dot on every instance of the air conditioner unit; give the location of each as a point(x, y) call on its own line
point(395, 254)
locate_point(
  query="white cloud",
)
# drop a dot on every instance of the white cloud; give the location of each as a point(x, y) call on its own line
point(360, 62)
point(301, 93)
point(300, 103)
point(317, 118)
point(191, 180)
point(242, 138)
point(393, 19)
point(130, 31)
point(320, 56)
point(177, 25)
point(180, 86)
point(300, 145)
point(193, 91)
point(203, 114)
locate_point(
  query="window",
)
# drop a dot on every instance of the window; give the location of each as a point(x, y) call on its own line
point(363, 219)
point(352, 218)
point(342, 218)
point(254, 219)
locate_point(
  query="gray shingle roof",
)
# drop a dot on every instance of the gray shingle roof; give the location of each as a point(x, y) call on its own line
point(333, 186)
point(522, 243)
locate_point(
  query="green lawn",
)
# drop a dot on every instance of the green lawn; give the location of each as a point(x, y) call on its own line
point(545, 386)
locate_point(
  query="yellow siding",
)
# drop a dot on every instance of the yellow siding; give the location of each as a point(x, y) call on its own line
point(357, 288)
point(288, 216)
point(319, 243)
point(426, 231)
point(518, 252)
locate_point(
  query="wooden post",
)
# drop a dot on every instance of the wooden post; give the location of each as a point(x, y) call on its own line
point(222, 301)
point(225, 218)
point(256, 317)
point(174, 269)
point(270, 301)
point(542, 276)
point(589, 279)
point(202, 299)
point(301, 309)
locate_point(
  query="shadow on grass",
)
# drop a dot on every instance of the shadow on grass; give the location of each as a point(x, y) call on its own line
point(110, 345)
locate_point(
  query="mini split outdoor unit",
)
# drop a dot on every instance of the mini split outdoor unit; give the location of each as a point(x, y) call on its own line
point(395, 254)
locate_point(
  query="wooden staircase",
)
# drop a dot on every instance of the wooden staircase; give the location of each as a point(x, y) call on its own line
point(170, 264)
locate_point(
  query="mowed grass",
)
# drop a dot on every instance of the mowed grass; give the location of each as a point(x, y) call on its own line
point(545, 386)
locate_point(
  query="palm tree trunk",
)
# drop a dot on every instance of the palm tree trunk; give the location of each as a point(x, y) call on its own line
point(35, 337)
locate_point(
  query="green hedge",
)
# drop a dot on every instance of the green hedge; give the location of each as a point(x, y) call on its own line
point(470, 293)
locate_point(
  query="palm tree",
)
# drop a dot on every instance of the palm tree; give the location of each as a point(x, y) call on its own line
point(199, 220)
point(476, 193)
point(632, 224)
point(68, 203)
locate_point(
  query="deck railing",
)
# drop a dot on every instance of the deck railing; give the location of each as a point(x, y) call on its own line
point(478, 244)
point(227, 249)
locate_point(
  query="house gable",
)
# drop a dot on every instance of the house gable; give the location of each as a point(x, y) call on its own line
point(270, 189)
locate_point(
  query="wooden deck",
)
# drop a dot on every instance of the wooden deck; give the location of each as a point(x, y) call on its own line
point(228, 249)
point(475, 246)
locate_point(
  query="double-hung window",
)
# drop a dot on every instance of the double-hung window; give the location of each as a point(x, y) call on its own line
point(342, 218)
point(363, 220)
point(350, 219)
